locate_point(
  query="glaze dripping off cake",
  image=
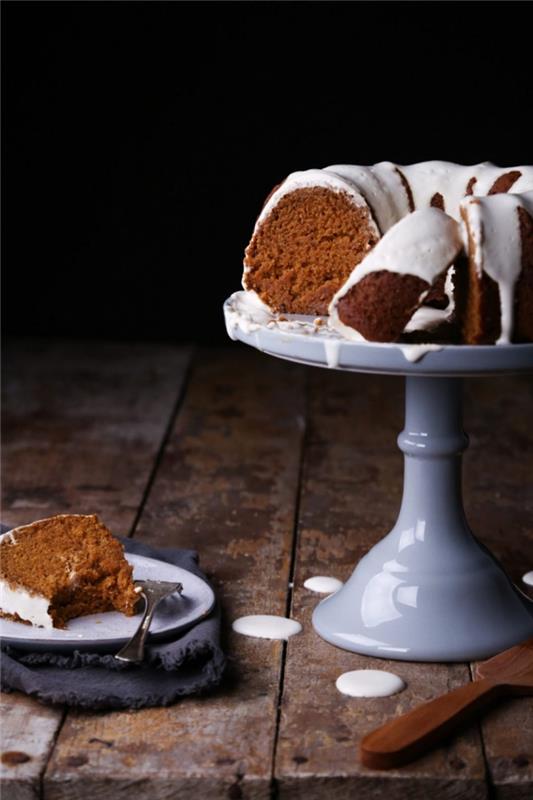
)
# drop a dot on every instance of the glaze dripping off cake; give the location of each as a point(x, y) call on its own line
point(393, 251)
point(393, 281)
point(63, 567)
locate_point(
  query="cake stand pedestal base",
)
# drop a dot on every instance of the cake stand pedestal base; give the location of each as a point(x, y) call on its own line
point(429, 591)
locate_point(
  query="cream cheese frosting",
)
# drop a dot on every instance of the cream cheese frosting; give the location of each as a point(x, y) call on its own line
point(493, 224)
point(16, 600)
point(30, 607)
point(422, 244)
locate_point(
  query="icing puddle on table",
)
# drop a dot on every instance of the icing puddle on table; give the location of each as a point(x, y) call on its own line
point(369, 683)
point(357, 683)
point(266, 626)
point(323, 584)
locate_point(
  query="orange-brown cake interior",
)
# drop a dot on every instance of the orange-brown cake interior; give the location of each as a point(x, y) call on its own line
point(381, 304)
point(524, 289)
point(74, 561)
point(306, 248)
point(477, 298)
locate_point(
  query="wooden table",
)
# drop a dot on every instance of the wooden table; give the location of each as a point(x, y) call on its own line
point(273, 473)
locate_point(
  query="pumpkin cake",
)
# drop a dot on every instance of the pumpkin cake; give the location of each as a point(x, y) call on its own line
point(63, 567)
point(325, 243)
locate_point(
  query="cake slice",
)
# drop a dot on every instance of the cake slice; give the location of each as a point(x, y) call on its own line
point(63, 567)
point(393, 280)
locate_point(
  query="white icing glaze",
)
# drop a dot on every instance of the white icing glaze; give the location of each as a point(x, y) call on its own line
point(30, 607)
point(431, 177)
point(449, 290)
point(492, 224)
point(528, 578)
point(524, 182)
point(426, 317)
point(242, 311)
point(308, 179)
point(414, 352)
point(422, 244)
point(389, 175)
point(370, 181)
point(266, 626)
point(488, 174)
point(323, 584)
point(332, 350)
point(451, 181)
point(369, 683)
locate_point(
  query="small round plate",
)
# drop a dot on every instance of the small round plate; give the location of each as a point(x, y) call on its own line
point(109, 631)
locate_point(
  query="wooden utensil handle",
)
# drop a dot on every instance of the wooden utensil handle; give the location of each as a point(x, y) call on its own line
point(409, 736)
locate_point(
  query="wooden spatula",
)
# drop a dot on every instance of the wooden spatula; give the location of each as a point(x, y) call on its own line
point(413, 734)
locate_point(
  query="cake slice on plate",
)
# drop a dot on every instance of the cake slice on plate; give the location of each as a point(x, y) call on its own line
point(63, 567)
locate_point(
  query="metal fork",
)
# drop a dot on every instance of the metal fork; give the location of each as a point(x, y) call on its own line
point(152, 592)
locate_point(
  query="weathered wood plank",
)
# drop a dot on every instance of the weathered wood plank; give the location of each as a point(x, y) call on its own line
point(28, 730)
point(227, 486)
point(83, 423)
point(350, 497)
point(499, 504)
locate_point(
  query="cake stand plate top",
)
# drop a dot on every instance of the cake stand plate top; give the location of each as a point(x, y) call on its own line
point(310, 340)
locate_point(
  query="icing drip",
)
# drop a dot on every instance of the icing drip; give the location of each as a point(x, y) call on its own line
point(266, 626)
point(414, 352)
point(244, 311)
point(494, 226)
point(453, 181)
point(332, 350)
point(322, 584)
point(422, 244)
point(369, 683)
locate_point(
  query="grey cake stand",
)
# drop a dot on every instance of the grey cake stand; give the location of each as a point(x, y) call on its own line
point(428, 591)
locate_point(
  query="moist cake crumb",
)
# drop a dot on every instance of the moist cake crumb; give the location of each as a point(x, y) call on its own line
point(63, 567)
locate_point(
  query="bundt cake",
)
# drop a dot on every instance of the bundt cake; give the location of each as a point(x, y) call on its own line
point(317, 243)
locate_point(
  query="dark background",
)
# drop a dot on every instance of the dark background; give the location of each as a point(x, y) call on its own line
point(141, 138)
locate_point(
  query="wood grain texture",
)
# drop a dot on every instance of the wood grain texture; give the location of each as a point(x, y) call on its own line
point(82, 425)
point(26, 738)
point(499, 506)
point(350, 497)
point(227, 486)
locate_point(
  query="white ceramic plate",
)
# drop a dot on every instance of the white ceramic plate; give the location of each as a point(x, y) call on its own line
point(111, 630)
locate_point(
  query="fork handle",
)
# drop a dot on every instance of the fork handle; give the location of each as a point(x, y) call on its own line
point(133, 651)
point(407, 737)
